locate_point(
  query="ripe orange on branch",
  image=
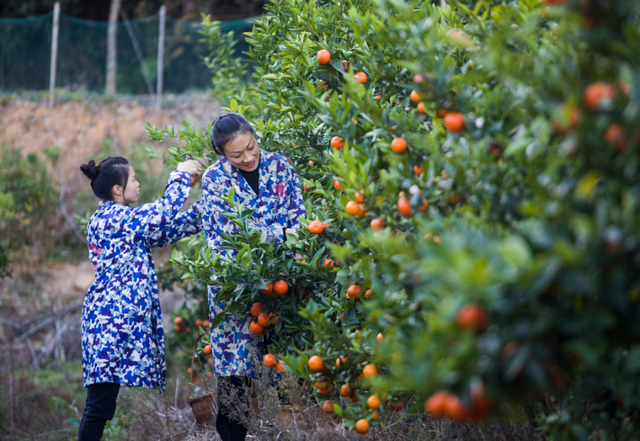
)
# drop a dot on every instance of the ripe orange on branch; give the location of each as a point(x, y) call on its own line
point(399, 145)
point(255, 328)
point(596, 94)
point(337, 142)
point(346, 391)
point(421, 108)
point(281, 287)
point(454, 122)
point(373, 402)
point(316, 363)
point(369, 371)
point(323, 56)
point(404, 207)
point(377, 224)
point(256, 308)
point(269, 289)
point(207, 349)
point(327, 407)
point(362, 426)
point(263, 319)
point(352, 208)
point(472, 316)
point(415, 97)
point(353, 291)
point(270, 361)
point(361, 77)
point(316, 227)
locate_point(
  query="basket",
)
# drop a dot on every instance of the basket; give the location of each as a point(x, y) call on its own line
point(205, 407)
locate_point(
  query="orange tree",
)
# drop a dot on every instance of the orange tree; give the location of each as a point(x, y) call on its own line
point(477, 167)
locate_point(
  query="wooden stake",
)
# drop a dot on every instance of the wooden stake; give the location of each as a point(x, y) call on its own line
point(112, 50)
point(163, 17)
point(54, 52)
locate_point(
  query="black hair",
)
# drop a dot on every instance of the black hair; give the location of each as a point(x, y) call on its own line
point(225, 128)
point(106, 174)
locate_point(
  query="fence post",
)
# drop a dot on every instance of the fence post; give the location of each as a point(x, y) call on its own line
point(163, 16)
point(54, 52)
point(112, 51)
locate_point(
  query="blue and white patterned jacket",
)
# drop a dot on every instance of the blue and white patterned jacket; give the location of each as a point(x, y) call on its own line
point(122, 334)
point(278, 207)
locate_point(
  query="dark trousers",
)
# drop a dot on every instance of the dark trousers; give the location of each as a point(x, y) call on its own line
point(100, 407)
point(229, 429)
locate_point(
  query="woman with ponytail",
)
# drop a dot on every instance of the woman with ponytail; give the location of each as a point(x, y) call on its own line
point(122, 334)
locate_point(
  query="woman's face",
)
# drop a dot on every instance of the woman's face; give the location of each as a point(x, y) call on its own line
point(243, 152)
point(131, 192)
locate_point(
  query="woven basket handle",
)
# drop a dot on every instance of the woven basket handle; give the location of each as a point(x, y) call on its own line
point(193, 356)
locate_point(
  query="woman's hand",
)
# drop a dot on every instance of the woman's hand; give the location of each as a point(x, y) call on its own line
point(191, 166)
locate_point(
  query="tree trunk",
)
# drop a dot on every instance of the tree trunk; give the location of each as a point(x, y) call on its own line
point(111, 47)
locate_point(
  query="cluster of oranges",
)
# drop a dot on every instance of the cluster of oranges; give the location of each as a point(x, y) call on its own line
point(271, 361)
point(444, 404)
point(263, 319)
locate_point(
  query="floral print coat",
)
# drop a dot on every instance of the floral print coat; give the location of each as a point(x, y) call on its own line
point(122, 334)
point(278, 206)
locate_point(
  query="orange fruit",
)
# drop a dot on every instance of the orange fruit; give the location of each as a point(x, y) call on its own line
point(373, 402)
point(399, 145)
point(316, 227)
point(480, 405)
point(404, 207)
point(178, 328)
point(340, 361)
point(280, 368)
point(369, 371)
point(377, 224)
point(352, 208)
point(337, 142)
point(397, 407)
point(263, 319)
point(281, 287)
point(269, 289)
point(189, 371)
point(353, 291)
point(441, 113)
point(424, 206)
point(256, 308)
point(198, 322)
point(345, 64)
point(316, 364)
point(375, 416)
point(346, 391)
point(417, 78)
point(328, 407)
point(368, 292)
point(379, 337)
point(361, 77)
point(354, 398)
point(421, 108)
point(207, 349)
point(323, 56)
point(205, 324)
point(360, 196)
point(378, 97)
point(455, 200)
point(275, 320)
point(614, 135)
point(270, 361)
point(361, 210)
point(454, 121)
point(597, 93)
point(307, 189)
point(336, 185)
point(178, 321)
point(418, 169)
point(328, 262)
point(454, 409)
point(434, 406)
point(362, 426)
point(472, 316)
point(414, 96)
point(324, 86)
point(255, 328)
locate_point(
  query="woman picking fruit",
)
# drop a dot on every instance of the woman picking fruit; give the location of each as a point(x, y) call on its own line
point(122, 334)
point(264, 182)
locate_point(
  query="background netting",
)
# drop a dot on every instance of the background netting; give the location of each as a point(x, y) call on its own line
point(25, 54)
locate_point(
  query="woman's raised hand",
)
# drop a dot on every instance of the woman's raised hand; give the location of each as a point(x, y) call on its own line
point(191, 166)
